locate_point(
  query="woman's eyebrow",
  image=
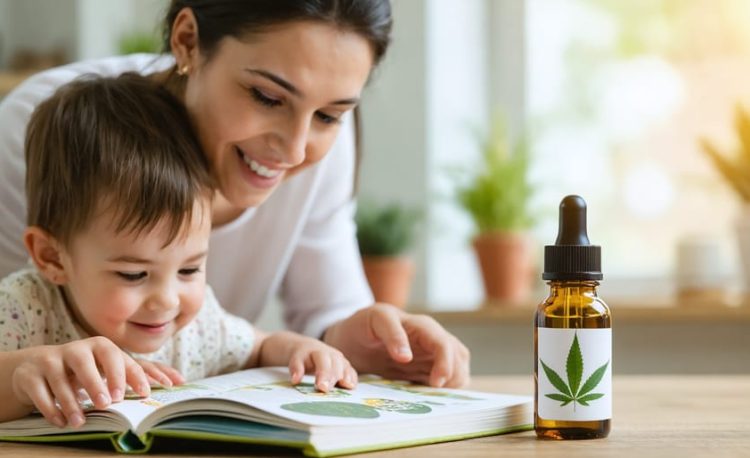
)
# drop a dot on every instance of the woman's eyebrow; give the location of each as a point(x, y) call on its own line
point(276, 79)
point(292, 89)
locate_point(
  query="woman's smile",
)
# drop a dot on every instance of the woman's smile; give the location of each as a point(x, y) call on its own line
point(257, 174)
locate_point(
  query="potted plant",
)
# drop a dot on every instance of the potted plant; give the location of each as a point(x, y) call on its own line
point(138, 42)
point(735, 168)
point(497, 197)
point(385, 233)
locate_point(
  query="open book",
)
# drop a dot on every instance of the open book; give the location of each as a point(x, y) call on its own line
point(260, 406)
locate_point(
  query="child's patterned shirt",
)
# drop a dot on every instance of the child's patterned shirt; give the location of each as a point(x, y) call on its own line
point(33, 312)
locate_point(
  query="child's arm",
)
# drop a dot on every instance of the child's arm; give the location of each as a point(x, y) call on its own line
point(303, 354)
point(39, 376)
point(10, 407)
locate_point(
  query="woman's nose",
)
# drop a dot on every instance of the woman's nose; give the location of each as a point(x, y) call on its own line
point(292, 141)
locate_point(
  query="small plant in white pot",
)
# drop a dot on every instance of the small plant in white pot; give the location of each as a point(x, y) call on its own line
point(496, 196)
point(385, 234)
point(735, 169)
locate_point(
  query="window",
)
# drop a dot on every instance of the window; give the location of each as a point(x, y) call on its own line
point(619, 95)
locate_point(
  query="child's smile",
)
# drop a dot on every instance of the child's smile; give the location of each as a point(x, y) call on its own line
point(155, 328)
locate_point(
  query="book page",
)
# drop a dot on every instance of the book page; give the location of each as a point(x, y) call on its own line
point(131, 412)
point(374, 400)
point(136, 409)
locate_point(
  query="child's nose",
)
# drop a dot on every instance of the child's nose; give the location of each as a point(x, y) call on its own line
point(165, 297)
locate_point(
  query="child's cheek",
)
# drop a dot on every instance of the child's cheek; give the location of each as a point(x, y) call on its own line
point(191, 303)
point(122, 303)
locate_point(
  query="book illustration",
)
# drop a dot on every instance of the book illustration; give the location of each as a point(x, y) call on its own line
point(333, 409)
point(390, 405)
point(87, 405)
point(302, 387)
point(267, 386)
point(254, 388)
point(309, 389)
point(354, 410)
point(151, 402)
point(159, 396)
point(409, 387)
point(161, 391)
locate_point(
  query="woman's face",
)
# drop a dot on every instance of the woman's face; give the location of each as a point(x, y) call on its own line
point(270, 104)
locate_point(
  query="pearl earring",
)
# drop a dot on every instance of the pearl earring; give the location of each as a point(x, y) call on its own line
point(184, 70)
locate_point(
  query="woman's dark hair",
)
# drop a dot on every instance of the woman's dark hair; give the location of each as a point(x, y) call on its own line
point(221, 18)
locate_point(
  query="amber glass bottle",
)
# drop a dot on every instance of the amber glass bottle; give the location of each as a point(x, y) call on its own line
point(572, 337)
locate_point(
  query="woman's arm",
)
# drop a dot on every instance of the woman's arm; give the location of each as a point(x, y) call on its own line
point(384, 340)
point(326, 294)
point(15, 111)
point(325, 282)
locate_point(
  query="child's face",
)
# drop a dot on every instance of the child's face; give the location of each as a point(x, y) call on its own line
point(133, 290)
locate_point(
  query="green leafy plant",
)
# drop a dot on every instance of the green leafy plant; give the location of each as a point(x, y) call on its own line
point(573, 391)
point(138, 42)
point(734, 168)
point(497, 195)
point(385, 230)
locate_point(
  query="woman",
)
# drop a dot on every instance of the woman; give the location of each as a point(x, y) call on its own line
point(269, 85)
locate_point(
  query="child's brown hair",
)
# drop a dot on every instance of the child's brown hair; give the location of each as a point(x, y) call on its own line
point(124, 142)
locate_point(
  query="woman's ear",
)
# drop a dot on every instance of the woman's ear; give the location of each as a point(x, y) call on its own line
point(184, 40)
point(46, 253)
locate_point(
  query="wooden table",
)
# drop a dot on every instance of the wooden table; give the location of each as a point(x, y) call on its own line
point(664, 416)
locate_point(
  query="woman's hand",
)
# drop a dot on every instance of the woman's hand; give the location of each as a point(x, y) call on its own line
point(307, 355)
point(54, 373)
point(387, 341)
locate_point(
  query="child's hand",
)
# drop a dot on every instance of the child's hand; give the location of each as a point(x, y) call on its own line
point(306, 355)
point(161, 374)
point(53, 373)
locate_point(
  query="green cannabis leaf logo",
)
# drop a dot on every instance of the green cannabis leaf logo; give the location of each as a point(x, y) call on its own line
point(573, 391)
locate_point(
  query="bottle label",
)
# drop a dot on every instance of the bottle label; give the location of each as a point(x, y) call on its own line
point(574, 376)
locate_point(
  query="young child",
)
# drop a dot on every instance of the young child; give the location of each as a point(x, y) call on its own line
point(119, 218)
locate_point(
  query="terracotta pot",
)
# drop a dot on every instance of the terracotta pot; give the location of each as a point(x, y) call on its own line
point(390, 278)
point(505, 261)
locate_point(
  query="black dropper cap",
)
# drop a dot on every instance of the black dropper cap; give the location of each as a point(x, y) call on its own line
point(572, 257)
